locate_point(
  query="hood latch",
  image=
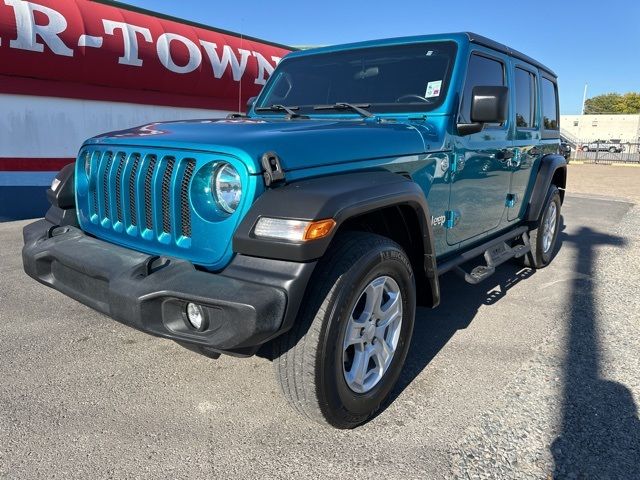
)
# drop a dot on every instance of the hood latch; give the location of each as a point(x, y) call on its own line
point(273, 172)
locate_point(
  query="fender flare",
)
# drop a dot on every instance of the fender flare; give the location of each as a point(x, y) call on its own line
point(63, 199)
point(339, 197)
point(549, 165)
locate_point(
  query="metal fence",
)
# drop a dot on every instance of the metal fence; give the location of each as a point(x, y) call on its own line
point(605, 152)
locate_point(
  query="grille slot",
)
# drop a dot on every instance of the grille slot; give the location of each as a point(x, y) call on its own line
point(148, 212)
point(121, 161)
point(132, 189)
point(105, 183)
point(94, 188)
point(185, 212)
point(166, 201)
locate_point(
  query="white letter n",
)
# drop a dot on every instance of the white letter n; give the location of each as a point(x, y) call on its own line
point(220, 64)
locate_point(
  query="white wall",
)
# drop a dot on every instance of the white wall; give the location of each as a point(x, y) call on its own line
point(601, 127)
point(49, 127)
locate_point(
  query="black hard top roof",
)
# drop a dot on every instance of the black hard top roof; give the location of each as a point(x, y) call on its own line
point(487, 42)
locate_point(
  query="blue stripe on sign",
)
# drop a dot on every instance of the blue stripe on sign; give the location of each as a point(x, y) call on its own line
point(18, 202)
point(26, 179)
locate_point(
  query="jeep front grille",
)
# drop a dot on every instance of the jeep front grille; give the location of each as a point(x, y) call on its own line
point(142, 195)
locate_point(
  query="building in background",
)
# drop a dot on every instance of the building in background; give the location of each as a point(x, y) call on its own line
point(72, 69)
point(590, 128)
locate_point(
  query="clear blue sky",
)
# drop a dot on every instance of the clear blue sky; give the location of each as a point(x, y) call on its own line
point(591, 42)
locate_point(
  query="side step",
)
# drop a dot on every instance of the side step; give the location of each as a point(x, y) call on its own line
point(496, 252)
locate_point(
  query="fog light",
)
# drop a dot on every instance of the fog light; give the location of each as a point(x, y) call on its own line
point(195, 315)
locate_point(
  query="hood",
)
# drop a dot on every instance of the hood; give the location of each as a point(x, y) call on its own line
point(300, 143)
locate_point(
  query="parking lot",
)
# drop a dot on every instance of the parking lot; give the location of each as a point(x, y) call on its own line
point(532, 374)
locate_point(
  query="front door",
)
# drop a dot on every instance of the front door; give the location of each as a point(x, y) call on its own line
point(480, 174)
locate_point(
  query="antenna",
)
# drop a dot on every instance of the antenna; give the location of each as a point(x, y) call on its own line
point(584, 98)
point(240, 81)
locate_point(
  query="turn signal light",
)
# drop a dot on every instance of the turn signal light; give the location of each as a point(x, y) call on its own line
point(319, 229)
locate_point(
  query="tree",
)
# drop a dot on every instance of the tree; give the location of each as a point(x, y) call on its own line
point(613, 103)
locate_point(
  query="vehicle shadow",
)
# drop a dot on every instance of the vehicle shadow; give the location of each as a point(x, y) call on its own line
point(434, 328)
point(600, 432)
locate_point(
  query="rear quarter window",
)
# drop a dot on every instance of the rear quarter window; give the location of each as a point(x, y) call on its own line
point(549, 105)
point(525, 86)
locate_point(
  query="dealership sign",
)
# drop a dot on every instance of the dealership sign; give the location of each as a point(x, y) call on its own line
point(89, 49)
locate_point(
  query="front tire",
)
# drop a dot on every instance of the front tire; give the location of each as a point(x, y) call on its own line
point(544, 238)
point(345, 353)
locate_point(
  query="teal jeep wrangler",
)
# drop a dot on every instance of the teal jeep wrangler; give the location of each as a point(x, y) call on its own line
point(312, 226)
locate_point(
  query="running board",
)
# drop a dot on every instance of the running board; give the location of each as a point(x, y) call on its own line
point(496, 252)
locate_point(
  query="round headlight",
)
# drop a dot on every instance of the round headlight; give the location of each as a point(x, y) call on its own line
point(227, 187)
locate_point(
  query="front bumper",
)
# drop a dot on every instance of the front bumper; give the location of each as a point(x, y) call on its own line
point(250, 302)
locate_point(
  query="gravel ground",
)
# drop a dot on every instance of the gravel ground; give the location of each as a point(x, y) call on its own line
point(530, 375)
point(571, 411)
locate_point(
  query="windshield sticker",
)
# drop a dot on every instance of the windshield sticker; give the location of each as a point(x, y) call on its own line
point(433, 89)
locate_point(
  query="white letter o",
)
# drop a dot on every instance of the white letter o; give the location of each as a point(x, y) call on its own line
point(164, 53)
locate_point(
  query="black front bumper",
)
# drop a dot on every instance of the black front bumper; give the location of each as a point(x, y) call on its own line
point(250, 302)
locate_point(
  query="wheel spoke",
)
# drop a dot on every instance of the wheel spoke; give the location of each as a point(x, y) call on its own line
point(359, 367)
point(383, 354)
point(353, 335)
point(373, 295)
point(390, 310)
point(375, 291)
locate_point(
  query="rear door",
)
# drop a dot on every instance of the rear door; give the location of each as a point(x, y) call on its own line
point(481, 173)
point(526, 125)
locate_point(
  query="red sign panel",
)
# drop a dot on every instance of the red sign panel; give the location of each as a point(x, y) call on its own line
point(99, 51)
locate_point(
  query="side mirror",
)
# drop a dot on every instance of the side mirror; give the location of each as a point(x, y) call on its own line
point(489, 104)
point(250, 103)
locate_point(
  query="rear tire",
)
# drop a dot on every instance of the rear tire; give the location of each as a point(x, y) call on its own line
point(315, 369)
point(544, 238)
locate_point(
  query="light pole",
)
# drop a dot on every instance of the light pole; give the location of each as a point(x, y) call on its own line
point(584, 98)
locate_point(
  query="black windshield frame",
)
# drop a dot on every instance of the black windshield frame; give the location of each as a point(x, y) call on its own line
point(395, 70)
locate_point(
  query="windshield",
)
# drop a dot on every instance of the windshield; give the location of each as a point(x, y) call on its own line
point(398, 78)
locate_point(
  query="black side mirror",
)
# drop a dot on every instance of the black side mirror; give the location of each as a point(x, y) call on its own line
point(489, 104)
point(250, 103)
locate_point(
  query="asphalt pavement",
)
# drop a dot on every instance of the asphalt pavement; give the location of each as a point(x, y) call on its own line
point(528, 375)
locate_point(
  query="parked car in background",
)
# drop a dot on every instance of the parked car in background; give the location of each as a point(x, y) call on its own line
point(602, 146)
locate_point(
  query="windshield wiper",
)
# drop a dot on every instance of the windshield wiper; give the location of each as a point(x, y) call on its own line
point(291, 111)
point(359, 108)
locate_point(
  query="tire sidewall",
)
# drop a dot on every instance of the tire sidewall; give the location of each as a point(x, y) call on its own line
point(334, 392)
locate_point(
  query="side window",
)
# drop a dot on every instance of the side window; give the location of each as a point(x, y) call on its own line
point(525, 85)
point(549, 105)
point(483, 71)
